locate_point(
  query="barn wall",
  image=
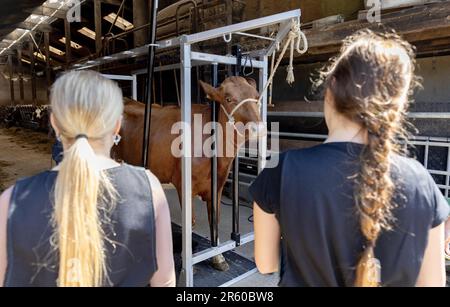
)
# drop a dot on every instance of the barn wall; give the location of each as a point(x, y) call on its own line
point(311, 9)
point(435, 72)
point(5, 92)
point(434, 97)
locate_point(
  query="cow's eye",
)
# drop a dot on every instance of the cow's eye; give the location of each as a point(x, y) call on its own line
point(229, 99)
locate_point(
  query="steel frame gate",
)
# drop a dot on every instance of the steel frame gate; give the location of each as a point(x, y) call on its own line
point(191, 59)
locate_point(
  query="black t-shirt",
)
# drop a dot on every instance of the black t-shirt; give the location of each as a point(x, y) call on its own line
point(311, 194)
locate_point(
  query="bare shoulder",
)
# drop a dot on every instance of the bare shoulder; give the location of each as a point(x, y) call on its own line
point(4, 200)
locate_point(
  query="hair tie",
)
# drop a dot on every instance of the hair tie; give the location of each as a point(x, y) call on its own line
point(81, 136)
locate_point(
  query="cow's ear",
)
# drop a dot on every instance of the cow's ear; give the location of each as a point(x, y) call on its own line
point(252, 82)
point(211, 92)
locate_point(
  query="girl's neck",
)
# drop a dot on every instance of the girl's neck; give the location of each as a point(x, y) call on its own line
point(101, 161)
point(347, 132)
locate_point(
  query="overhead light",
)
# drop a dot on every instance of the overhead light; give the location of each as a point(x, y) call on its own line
point(120, 22)
point(87, 32)
point(39, 55)
point(72, 43)
point(37, 18)
point(56, 51)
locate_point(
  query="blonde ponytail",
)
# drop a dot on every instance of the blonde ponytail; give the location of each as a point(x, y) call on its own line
point(85, 106)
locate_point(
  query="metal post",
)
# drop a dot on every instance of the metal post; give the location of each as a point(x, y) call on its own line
point(214, 221)
point(134, 88)
point(235, 235)
point(11, 81)
point(187, 276)
point(262, 141)
point(148, 96)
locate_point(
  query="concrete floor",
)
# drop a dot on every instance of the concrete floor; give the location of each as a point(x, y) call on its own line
point(225, 227)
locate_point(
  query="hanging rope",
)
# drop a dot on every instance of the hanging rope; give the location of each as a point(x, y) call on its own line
point(272, 65)
point(295, 39)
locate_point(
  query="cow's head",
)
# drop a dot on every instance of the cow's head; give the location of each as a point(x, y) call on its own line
point(231, 93)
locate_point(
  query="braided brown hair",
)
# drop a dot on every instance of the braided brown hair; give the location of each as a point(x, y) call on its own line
point(370, 82)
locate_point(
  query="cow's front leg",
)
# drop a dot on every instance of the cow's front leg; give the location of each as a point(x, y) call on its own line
point(217, 262)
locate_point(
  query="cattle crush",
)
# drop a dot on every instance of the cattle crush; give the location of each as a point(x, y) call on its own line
point(241, 56)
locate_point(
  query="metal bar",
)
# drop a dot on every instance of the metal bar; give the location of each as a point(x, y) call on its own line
point(235, 235)
point(134, 88)
point(282, 32)
point(447, 177)
point(221, 248)
point(262, 141)
point(255, 36)
point(299, 135)
point(415, 140)
point(201, 60)
point(243, 26)
point(295, 114)
point(186, 167)
point(246, 26)
point(214, 220)
point(118, 77)
point(425, 159)
point(239, 278)
point(415, 115)
point(437, 172)
point(227, 60)
point(148, 96)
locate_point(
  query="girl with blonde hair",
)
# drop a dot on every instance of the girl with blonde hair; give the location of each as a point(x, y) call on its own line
point(90, 221)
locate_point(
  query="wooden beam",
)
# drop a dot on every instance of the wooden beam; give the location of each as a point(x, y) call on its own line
point(47, 61)
point(32, 72)
point(141, 16)
point(68, 36)
point(114, 2)
point(11, 82)
point(414, 24)
point(20, 73)
point(98, 26)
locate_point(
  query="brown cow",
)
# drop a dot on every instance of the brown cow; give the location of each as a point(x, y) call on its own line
point(164, 164)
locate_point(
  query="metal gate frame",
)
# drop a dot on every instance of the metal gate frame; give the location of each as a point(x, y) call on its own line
point(191, 59)
point(132, 78)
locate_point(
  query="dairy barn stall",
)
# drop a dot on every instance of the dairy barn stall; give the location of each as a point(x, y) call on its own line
point(39, 40)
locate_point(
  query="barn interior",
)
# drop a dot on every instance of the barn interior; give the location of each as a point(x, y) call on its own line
point(41, 39)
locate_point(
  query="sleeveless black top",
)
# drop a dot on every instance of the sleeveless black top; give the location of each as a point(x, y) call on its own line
point(130, 248)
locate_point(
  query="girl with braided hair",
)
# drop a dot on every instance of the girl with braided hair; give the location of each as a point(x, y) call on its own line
point(355, 211)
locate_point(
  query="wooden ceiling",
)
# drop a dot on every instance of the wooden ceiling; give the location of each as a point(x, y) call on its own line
point(13, 12)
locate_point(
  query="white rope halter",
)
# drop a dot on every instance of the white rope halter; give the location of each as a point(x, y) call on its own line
point(295, 39)
point(230, 115)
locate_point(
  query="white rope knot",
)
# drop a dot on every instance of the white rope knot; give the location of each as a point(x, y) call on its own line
point(230, 115)
point(296, 37)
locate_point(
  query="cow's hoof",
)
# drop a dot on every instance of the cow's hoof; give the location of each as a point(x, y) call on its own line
point(219, 263)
